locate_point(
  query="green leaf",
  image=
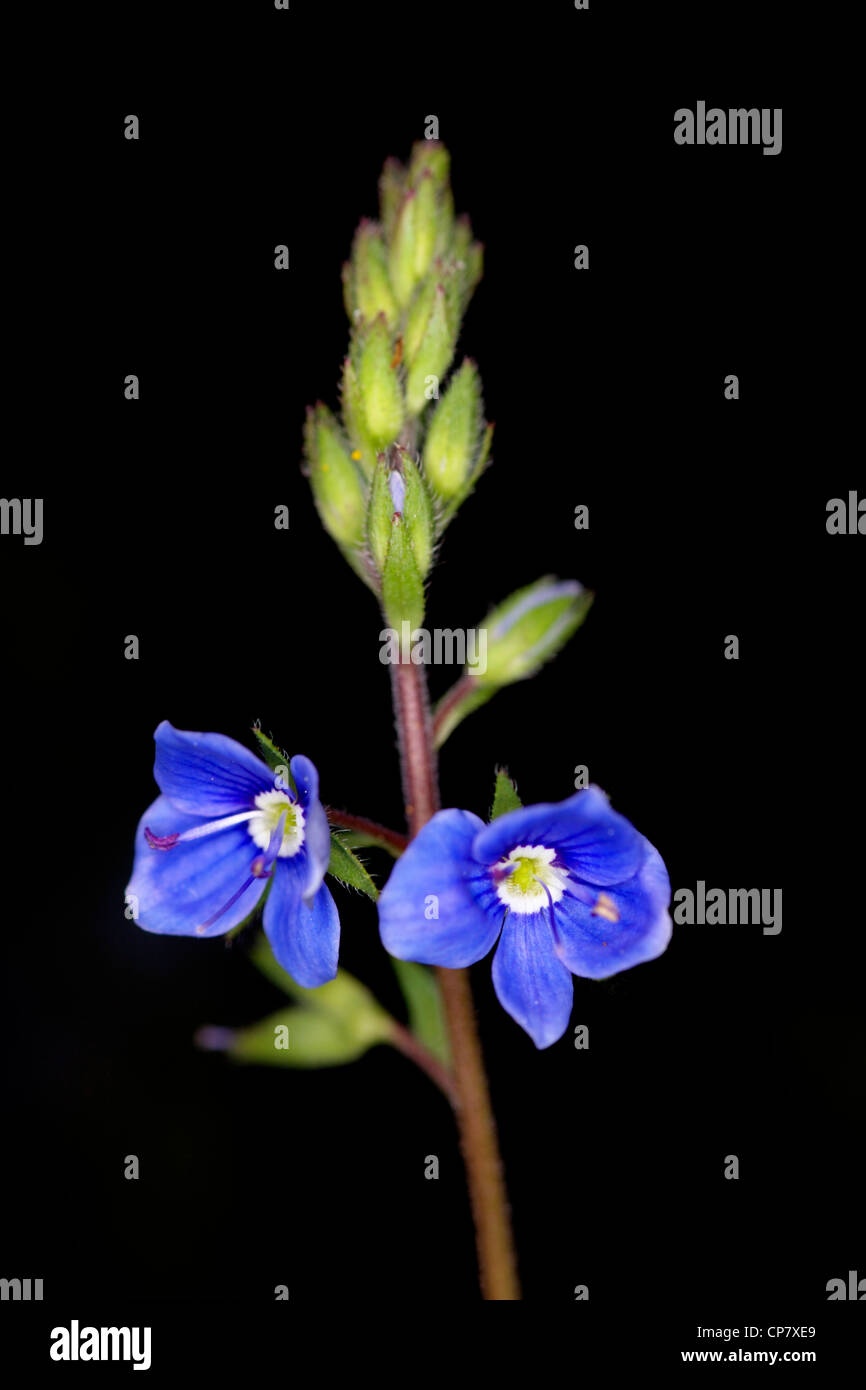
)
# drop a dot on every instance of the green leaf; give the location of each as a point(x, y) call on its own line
point(425, 1008)
point(347, 867)
point(505, 796)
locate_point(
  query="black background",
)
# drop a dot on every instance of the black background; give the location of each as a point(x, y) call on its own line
point(707, 517)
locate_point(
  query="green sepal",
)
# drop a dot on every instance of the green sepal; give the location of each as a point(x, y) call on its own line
point(348, 868)
point(380, 511)
point(275, 757)
point(505, 796)
point(402, 585)
point(418, 512)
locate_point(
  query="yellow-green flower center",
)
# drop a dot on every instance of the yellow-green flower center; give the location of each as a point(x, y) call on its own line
point(527, 880)
point(270, 806)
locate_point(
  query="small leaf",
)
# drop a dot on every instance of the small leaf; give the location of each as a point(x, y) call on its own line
point(425, 1008)
point(347, 867)
point(505, 796)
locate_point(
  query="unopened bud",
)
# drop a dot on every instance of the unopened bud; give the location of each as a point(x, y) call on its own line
point(380, 394)
point(433, 356)
point(367, 287)
point(363, 448)
point(452, 440)
point(336, 483)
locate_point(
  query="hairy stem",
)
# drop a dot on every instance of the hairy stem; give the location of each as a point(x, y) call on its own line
point(478, 1141)
point(390, 840)
point(408, 1044)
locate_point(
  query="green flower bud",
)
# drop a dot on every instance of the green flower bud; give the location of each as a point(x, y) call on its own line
point(433, 156)
point(379, 388)
point(336, 483)
point(392, 191)
point(363, 448)
point(401, 256)
point(365, 277)
point(464, 267)
point(426, 224)
point(452, 439)
point(530, 627)
point(430, 158)
point(433, 356)
point(418, 318)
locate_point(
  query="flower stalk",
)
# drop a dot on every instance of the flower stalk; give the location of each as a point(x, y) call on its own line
point(479, 1144)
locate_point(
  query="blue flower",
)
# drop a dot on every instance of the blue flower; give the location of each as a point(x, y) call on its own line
point(566, 889)
point(224, 828)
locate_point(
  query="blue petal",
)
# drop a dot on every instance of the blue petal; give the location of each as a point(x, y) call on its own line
point(437, 874)
point(305, 940)
point(178, 890)
point(306, 779)
point(593, 946)
point(317, 832)
point(594, 843)
point(207, 774)
point(530, 983)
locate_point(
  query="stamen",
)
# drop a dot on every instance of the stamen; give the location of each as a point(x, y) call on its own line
point(160, 841)
point(197, 832)
point(263, 863)
point(200, 931)
point(260, 868)
point(605, 907)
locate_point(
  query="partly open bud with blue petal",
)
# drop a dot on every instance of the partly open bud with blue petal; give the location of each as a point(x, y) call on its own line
point(518, 636)
point(531, 626)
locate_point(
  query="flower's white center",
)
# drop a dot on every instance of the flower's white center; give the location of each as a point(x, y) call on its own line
point(527, 879)
point(272, 805)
